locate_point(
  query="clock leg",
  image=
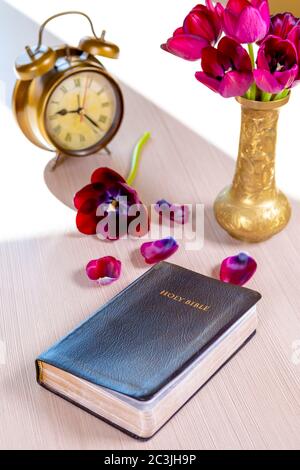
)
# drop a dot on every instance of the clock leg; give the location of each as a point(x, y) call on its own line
point(60, 158)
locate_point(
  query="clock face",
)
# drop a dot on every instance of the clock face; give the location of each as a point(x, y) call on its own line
point(83, 112)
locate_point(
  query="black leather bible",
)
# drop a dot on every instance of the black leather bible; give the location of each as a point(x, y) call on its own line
point(140, 357)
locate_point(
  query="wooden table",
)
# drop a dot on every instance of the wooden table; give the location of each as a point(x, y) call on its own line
point(254, 402)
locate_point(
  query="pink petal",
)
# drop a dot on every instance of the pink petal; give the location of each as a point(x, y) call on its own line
point(235, 84)
point(266, 81)
point(251, 27)
point(186, 46)
point(287, 78)
point(176, 212)
point(159, 250)
point(210, 82)
point(104, 270)
point(238, 269)
point(236, 6)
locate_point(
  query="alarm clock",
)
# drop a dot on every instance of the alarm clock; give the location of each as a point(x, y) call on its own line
point(65, 100)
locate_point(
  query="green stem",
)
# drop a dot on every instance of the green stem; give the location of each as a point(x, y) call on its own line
point(266, 96)
point(136, 157)
point(281, 95)
point(253, 89)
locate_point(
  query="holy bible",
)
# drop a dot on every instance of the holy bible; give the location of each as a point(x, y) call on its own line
point(144, 354)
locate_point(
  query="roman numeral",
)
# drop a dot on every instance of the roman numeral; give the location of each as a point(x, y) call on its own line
point(54, 116)
point(55, 102)
point(68, 137)
point(105, 105)
point(64, 89)
point(77, 82)
point(57, 129)
point(81, 138)
point(103, 119)
point(90, 83)
point(100, 91)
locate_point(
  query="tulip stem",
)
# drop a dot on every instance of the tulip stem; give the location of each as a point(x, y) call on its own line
point(136, 157)
point(253, 89)
point(281, 95)
point(266, 96)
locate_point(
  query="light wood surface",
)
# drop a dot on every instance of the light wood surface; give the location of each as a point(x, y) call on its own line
point(254, 402)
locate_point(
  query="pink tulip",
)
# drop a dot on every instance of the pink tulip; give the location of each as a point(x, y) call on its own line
point(226, 70)
point(277, 65)
point(283, 24)
point(202, 27)
point(294, 37)
point(247, 21)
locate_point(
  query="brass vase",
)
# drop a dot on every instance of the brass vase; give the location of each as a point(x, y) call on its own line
point(252, 209)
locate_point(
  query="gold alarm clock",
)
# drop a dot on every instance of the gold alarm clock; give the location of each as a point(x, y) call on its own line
point(65, 100)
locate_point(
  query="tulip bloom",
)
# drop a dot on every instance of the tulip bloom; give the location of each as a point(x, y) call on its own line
point(109, 192)
point(283, 24)
point(226, 70)
point(246, 21)
point(201, 28)
point(277, 65)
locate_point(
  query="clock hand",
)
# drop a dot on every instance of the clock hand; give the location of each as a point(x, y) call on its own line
point(84, 95)
point(63, 112)
point(91, 121)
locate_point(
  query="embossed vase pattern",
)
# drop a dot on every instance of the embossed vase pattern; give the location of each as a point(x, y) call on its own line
point(252, 208)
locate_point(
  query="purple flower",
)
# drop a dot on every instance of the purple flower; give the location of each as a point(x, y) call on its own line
point(201, 28)
point(226, 70)
point(237, 269)
point(277, 65)
point(159, 250)
point(175, 212)
point(104, 270)
point(246, 21)
point(108, 191)
point(282, 25)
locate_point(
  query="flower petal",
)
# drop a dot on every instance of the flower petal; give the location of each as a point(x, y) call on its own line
point(91, 191)
point(176, 212)
point(237, 54)
point(186, 46)
point(238, 269)
point(106, 176)
point(251, 27)
point(159, 250)
point(235, 84)
point(210, 82)
point(266, 81)
point(86, 219)
point(201, 24)
point(104, 270)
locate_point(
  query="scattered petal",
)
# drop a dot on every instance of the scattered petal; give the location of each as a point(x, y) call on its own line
point(238, 269)
point(104, 270)
point(159, 250)
point(176, 212)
